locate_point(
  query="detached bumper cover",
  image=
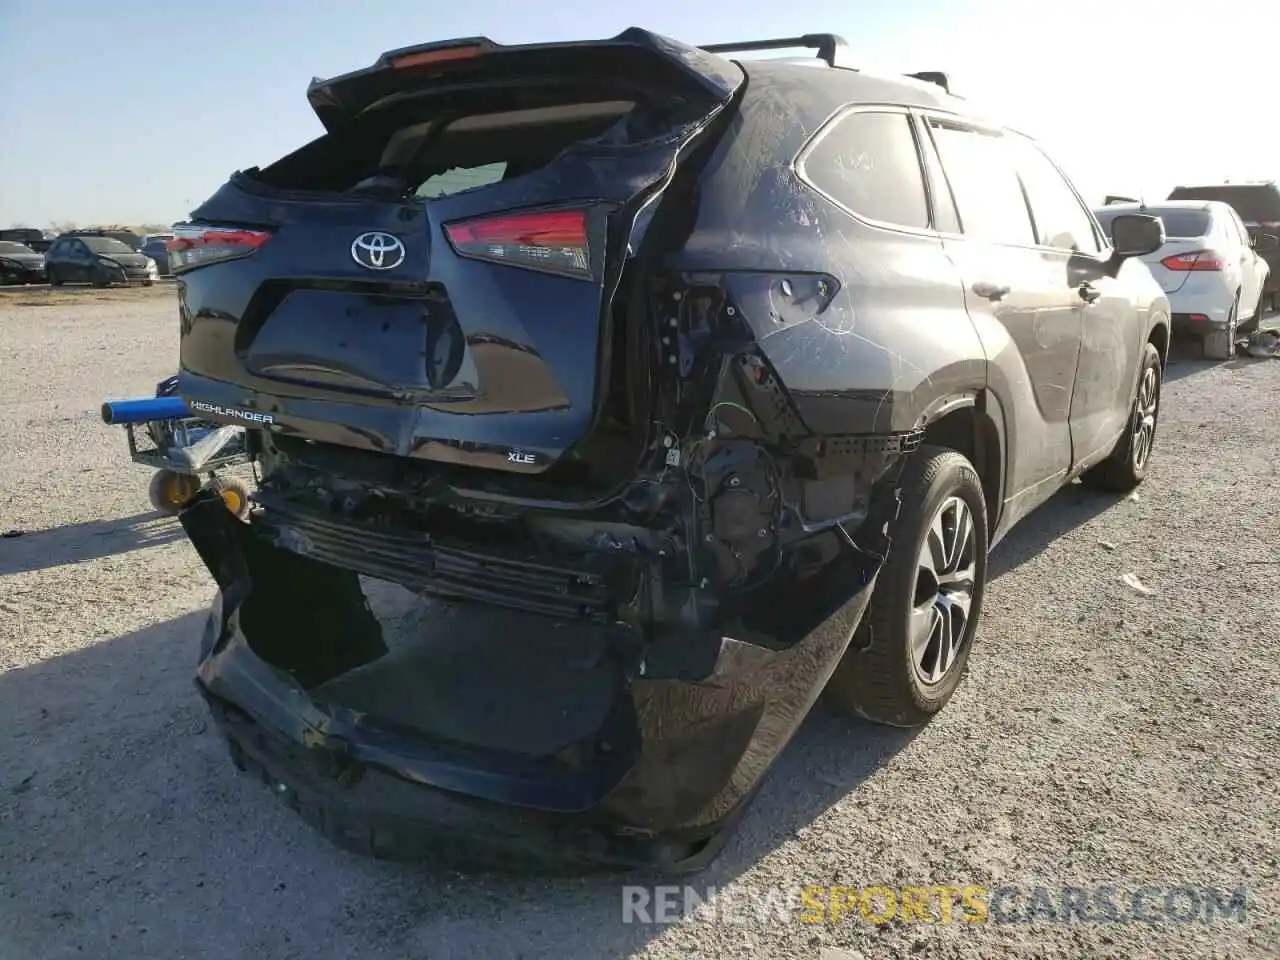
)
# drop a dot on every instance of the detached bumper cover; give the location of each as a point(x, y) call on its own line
point(659, 783)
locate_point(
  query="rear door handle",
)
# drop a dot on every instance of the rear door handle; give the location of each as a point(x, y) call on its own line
point(990, 291)
point(1089, 293)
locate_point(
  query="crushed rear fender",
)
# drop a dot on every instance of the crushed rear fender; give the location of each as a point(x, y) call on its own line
point(684, 744)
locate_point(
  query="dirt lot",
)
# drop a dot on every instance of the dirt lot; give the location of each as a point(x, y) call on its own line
point(1104, 737)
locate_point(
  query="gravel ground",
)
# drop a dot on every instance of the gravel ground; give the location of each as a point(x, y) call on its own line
point(1103, 737)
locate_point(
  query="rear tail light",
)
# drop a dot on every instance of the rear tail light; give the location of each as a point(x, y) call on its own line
point(193, 247)
point(1195, 261)
point(554, 241)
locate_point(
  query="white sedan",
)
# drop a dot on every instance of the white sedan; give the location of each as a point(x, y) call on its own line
point(1210, 270)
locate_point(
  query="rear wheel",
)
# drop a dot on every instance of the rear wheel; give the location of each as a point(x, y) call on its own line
point(924, 612)
point(1221, 344)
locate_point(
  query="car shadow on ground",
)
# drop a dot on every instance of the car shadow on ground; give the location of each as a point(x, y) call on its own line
point(75, 543)
point(109, 752)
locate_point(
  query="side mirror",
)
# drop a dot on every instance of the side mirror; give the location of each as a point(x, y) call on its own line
point(1265, 242)
point(1136, 235)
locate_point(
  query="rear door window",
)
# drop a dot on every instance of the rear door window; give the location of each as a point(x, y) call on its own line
point(984, 181)
point(1061, 220)
point(1238, 227)
point(867, 162)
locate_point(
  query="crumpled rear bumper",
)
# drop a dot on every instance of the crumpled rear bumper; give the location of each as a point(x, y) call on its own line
point(660, 782)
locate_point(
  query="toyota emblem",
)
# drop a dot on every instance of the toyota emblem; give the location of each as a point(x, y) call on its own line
point(377, 251)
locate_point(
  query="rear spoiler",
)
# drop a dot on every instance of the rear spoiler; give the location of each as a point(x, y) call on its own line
point(831, 47)
point(633, 52)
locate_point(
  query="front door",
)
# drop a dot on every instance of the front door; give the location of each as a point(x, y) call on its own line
point(1112, 340)
point(1020, 298)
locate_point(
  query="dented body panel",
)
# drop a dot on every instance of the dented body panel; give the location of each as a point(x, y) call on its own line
point(690, 732)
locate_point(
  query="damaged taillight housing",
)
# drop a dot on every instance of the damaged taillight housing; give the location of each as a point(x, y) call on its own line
point(197, 246)
point(549, 241)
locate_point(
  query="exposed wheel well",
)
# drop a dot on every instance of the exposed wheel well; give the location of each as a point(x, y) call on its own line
point(970, 431)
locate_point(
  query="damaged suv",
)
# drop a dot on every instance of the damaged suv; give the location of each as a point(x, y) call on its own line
point(611, 401)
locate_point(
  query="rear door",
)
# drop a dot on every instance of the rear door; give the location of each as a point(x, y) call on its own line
point(1027, 313)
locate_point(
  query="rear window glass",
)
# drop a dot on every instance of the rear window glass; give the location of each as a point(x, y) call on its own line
point(399, 152)
point(1255, 203)
point(106, 245)
point(868, 163)
point(1177, 223)
point(461, 178)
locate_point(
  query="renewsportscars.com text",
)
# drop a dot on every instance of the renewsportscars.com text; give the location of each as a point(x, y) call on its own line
point(938, 904)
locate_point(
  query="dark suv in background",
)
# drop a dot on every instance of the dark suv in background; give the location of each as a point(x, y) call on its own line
point(721, 377)
point(1258, 204)
point(31, 238)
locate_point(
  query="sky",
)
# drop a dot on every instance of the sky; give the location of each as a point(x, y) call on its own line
point(134, 112)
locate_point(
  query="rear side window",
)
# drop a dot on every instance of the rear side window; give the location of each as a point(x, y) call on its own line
point(1237, 227)
point(1061, 220)
point(984, 182)
point(868, 163)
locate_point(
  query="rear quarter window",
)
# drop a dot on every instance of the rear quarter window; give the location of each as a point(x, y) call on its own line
point(867, 162)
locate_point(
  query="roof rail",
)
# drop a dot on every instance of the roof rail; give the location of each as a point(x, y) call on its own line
point(827, 45)
point(935, 77)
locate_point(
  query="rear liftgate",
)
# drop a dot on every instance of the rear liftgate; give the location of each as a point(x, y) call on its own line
point(689, 619)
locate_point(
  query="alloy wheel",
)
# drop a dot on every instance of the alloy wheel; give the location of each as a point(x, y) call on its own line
point(946, 571)
point(1144, 429)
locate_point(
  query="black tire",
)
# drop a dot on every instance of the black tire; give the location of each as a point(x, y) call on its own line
point(880, 677)
point(169, 490)
point(235, 494)
point(1124, 469)
point(100, 279)
point(1221, 344)
point(52, 276)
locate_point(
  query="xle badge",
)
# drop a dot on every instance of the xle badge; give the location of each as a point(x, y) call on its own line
point(519, 456)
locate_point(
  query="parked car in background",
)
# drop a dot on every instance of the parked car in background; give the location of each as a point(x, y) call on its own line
point(30, 237)
point(127, 237)
point(1258, 204)
point(153, 246)
point(20, 264)
point(701, 332)
point(98, 260)
point(1211, 270)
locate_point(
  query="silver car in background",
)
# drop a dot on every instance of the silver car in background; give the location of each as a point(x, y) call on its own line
point(1208, 268)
